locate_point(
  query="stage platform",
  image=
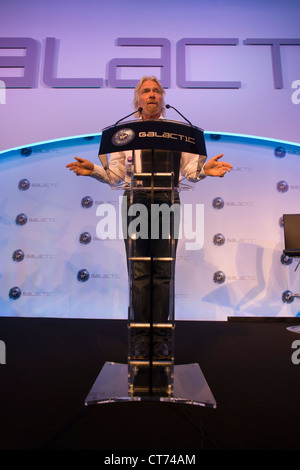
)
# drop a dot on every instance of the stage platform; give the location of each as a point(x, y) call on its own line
point(51, 364)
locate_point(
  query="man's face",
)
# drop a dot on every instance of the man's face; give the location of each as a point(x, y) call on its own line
point(150, 99)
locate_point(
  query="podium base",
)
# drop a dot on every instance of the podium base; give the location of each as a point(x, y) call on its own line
point(189, 387)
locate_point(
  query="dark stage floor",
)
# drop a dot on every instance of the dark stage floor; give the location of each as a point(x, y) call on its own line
point(51, 365)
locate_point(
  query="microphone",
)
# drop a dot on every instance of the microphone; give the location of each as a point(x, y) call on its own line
point(169, 106)
point(139, 110)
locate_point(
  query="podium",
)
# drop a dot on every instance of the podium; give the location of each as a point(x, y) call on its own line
point(156, 148)
point(291, 224)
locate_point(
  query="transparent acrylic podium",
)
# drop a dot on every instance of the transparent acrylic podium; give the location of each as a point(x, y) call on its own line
point(152, 375)
point(291, 225)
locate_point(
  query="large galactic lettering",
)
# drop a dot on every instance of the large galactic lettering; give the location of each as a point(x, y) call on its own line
point(29, 62)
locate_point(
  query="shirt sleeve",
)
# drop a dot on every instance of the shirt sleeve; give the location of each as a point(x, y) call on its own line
point(114, 173)
point(193, 166)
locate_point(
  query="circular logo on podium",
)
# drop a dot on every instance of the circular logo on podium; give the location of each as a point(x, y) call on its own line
point(123, 137)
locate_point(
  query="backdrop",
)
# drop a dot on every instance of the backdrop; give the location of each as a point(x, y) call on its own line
point(67, 70)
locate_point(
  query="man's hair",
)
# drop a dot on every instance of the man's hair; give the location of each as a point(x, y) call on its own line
point(139, 86)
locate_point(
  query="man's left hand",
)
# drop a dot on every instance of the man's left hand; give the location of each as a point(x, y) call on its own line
point(215, 168)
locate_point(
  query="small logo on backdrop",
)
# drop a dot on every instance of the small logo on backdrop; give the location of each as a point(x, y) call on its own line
point(83, 275)
point(85, 238)
point(86, 202)
point(21, 219)
point(218, 203)
point(219, 277)
point(285, 259)
point(14, 293)
point(18, 256)
point(24, 184)
point(219, 239)
point(282, 186)
point(280, 152)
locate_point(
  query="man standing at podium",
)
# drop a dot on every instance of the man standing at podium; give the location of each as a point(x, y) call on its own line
point(149, 104)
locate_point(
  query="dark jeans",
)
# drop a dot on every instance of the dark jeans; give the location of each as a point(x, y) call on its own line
point(152, 284)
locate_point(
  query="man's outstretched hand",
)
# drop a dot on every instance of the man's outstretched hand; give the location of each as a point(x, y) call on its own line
point(81, 167)
point(215, 168)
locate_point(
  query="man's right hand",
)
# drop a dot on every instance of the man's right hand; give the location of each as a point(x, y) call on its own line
point(81, 167)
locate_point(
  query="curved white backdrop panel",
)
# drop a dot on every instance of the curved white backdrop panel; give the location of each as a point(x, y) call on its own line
point(230, 262)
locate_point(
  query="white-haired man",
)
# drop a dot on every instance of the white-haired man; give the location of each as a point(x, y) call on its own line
point(149, 99)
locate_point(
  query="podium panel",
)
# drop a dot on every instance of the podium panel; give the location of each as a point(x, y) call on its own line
point(159, 134)
point(190, 387)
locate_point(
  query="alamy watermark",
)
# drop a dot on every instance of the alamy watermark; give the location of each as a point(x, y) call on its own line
point(2, 352)
point(296, 354)
point(296, 94)
point(133, 222)
point(2, 92)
